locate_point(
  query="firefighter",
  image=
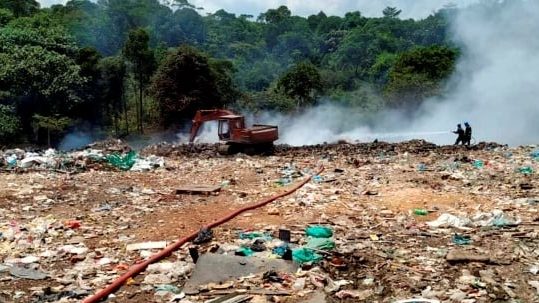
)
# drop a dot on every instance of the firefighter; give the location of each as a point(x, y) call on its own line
point(460, 133)
point(467, 134)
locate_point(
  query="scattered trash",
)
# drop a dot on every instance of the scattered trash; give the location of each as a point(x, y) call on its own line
point(461, 239)
point(254, 235)
point(421, 212)
point(124, 162)
point(355, 294)
point(73, 224)
point(27, 273)
point(478, 164)
point(320, 244)
point(319, 231)
point(305, 255)
point(244, 251)
point(272, 276)
point(258, 245)
point(284, 235)
point(418, 300)
point(464, 256)
point(356, 237)
point(146, 245)
point(204, 235)
point(198, 190)
point(526, 170)
point(168, 288)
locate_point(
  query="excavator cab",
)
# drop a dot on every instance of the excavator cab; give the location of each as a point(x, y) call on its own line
point(224, 130)
point(256, 139)
point(230, 125)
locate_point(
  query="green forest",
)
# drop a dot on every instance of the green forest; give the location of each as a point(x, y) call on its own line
point(128, 67)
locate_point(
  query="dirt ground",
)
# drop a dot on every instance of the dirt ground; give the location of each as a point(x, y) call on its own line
point(367, 195)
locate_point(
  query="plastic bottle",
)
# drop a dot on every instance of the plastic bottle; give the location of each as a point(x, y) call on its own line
point(11, 161)
point(421, 212)
point(299, 284)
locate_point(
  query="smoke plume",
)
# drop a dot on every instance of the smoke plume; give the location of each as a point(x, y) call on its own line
point(496, 78)
point(494, 88)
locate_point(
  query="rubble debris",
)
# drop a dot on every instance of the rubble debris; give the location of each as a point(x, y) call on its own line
point(198, 189)
point(27, 273)
point(465, 256)
point(146, 245)
point(212, 268)
point(204, 235)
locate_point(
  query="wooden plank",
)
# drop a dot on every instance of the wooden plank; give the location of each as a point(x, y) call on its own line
point(198, 189)
point(232, 298)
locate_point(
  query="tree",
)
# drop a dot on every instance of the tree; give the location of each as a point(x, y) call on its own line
point(90, 108)
point(5, 16)
point(186, 82)
point(9, 123)
point(54, 124)
point(391, 12)
point(419, 74)
point(274, 16)
point(136, 50)
point(302, 82)
point(20, 8)
point(112, 88)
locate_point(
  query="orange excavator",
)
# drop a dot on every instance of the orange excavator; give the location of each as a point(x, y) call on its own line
point(232, 131)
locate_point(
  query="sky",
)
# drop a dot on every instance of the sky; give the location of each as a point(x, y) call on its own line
point(410, 8)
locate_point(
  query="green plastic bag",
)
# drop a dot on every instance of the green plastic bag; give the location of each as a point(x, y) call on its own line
point(123, 163)
point(320, 244)
point(526, 170)
point(478, 163)
point(305, 255)
point(318, 231)
point(244, 251)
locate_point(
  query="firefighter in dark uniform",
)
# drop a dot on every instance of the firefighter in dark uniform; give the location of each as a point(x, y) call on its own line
point(467, 134)
point(460, 133)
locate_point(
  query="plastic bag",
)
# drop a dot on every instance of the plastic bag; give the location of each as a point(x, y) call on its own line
point(526, 170)
point(305, 255)
point(450, 220)
point(244, 252)
point(318, 231)
point(320, 244)
point(461, 239)
point(478, 164)
point(123, 163)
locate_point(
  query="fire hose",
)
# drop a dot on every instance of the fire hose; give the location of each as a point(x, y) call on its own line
point(167, 251)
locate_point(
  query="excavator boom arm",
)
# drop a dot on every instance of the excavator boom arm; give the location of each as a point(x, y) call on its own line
point(202, 116)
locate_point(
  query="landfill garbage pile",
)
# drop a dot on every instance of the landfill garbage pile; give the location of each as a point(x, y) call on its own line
point(413, 146)
point(114, 154)
point(407, 222)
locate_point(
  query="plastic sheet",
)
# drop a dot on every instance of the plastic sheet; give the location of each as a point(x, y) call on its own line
point(305, 255)
point(318, 231)
point(122, 162)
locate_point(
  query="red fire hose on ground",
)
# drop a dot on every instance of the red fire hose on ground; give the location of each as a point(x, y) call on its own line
point(167, 251)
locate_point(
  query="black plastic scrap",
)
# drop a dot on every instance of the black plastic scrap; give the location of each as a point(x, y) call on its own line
point(204, 235)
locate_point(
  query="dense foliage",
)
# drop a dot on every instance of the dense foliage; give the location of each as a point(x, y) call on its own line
point(126, 65)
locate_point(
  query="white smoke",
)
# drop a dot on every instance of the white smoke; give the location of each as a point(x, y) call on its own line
point(494, 88)
point(496, 78)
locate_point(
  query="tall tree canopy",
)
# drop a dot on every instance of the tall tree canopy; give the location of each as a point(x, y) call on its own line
point(187, 81)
